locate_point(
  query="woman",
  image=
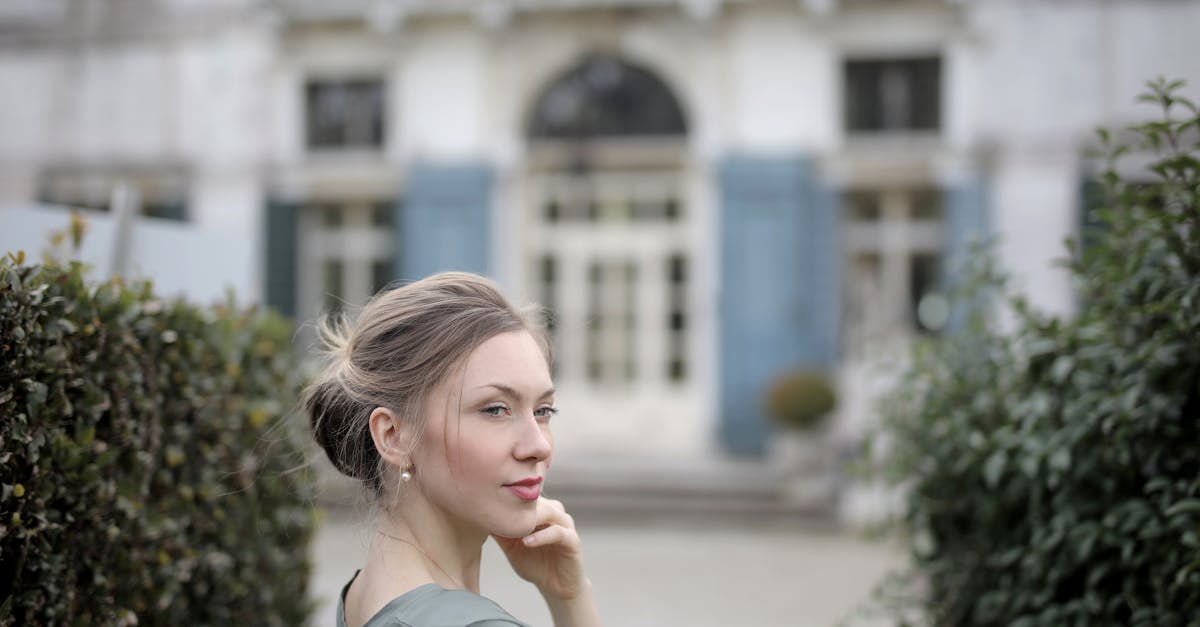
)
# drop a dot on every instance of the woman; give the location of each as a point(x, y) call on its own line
point(438, 398)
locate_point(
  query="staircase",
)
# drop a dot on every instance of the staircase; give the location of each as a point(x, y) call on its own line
point(615, 490)
point(703, 490)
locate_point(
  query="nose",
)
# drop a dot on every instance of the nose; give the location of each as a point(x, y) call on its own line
point(533, 441)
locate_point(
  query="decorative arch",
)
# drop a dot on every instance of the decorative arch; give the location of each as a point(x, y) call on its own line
point(606, 97)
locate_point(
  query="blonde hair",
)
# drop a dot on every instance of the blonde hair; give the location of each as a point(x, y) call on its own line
point(404, 342)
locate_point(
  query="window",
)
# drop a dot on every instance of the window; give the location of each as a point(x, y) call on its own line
point(344, 113)
point(348, 253)
point(160, 192)
point(883, 95)
point(607, 97)
point(893, 242)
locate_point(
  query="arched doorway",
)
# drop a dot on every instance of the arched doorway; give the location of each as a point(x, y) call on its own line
point(611, 238)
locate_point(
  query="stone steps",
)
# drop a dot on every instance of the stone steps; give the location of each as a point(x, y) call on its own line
point(614, 489)
point(713, 489)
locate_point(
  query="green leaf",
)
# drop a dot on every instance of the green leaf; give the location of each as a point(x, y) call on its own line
point(993, 468)
point(1186, 506)
point(1060, 459)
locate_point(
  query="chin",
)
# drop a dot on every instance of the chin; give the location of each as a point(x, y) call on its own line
point(517, 527)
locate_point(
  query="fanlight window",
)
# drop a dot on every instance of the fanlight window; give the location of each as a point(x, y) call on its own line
point(606, 97)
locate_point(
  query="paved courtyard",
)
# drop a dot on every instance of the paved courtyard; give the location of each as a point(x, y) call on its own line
point(661, 574)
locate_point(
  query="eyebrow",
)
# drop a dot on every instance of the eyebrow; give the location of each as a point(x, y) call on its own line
point(513, 392)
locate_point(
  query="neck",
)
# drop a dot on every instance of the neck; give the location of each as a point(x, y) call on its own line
point(445, 553)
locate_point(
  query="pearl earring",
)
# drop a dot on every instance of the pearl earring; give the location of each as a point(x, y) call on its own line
point(405, 476)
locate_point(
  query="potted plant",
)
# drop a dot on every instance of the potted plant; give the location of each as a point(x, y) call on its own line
point(800, 402)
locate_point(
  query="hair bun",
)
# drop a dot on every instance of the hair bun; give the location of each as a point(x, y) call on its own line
point(336, 427)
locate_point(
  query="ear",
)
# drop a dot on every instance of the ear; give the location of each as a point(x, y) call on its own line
point(390, 436)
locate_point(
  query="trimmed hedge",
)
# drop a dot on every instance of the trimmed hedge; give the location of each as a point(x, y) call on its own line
point(1053, 469)
point(146, 476)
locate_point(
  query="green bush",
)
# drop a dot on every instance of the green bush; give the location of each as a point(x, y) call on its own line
point(1052, 470)
point(146, 476)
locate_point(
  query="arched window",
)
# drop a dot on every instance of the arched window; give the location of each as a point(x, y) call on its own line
point(606, 97)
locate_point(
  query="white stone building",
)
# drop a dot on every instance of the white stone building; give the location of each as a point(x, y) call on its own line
point(705, 192)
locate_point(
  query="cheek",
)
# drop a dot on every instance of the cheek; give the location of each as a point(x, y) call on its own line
point(478, 455)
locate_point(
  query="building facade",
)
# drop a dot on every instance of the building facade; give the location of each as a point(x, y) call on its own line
point(704, 193)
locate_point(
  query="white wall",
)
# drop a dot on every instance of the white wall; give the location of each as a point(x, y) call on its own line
point(1034, 193)
point(1162, 41)
point(443, 96)
point(779, 84)
point(197, 264)
point(1059, 69)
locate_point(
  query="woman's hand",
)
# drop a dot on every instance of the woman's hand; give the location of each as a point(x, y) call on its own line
point(550, 557)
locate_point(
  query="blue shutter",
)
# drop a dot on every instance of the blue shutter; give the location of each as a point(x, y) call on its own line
point(779, 287)
point(966, 221)
point(280, 259)
point(444, 221)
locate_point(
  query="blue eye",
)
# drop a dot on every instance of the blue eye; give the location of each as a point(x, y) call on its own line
point(545, 412)
point(494, 410)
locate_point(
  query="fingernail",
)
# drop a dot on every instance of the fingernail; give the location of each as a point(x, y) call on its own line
point(528, 540)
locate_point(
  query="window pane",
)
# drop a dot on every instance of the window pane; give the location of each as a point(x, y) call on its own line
point(333, 285)
point(862, 206)
point(671, 209)
point(381, 274)
point(677, 370)
point(168, 210)
point(892, 94)
point(677, 273)
point(862, 95)
point(612, 321)
point(926, 205)
point(345, 113)
point(928, 307)
point(548, 278)
point(331, 216)
point(595, 322)
point(383, 214)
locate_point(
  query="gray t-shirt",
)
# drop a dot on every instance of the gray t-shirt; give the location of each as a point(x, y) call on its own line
point(431, 605)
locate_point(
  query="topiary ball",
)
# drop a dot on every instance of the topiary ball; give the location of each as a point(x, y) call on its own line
point(800, 399)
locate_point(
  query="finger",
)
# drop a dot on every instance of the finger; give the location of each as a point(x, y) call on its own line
point(554, 534)
point(550, 506)
point(551, 511)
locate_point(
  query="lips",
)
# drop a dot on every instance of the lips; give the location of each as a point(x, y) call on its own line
point(528, 489)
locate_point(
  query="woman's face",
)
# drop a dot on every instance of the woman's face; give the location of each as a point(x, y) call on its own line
point(486, 445)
